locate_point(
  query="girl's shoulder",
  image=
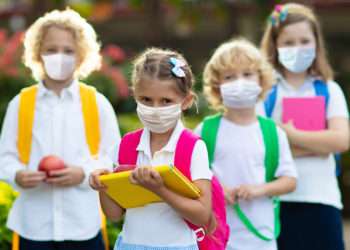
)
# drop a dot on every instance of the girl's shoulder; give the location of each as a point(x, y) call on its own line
point(333, 86)
point(198, 129)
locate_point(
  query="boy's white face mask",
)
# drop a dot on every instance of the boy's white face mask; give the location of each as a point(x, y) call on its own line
point(159, 119)
point(296, 59)
point(59, 66)
point(240, 93)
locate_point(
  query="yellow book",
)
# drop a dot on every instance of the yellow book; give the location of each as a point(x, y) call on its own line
point(129, 195)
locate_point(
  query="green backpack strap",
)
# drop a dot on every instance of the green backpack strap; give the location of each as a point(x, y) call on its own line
point(209, 133)
point(270, 137)
point(269, 131)
point(268, 127)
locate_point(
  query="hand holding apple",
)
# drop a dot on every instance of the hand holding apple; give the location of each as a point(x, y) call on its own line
point(50, 163)
point(66, 177)
point(29, 179)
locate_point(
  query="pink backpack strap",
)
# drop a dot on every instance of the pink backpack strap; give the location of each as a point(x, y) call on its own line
point(183, 157)
point(127, 147)
point(183, 152)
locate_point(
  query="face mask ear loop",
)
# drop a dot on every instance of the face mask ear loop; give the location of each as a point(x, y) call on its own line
point(195, 102)
point(196, 105)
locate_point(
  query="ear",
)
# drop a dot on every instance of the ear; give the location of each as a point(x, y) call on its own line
point(79, 61)
point(188, 101)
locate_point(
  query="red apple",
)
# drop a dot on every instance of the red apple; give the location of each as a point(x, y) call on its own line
point(50, 163)
point(122, 168)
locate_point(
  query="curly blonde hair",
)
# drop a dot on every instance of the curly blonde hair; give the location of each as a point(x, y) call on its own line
point(84, 35)
point(236, 54)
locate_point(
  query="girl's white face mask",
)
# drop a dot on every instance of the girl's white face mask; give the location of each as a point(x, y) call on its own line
point(159, 119)
point(240, 93)
point(59, 66)
point(296, 59)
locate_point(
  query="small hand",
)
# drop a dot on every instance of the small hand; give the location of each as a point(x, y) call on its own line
point(94, 179)
point(229, 195)
point(249, 192)
point(289, 128)
point(69, 176)
point(147, 178)
point(29, 179)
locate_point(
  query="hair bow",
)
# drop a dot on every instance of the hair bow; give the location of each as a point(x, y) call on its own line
point(279, 15)
point(177, 64)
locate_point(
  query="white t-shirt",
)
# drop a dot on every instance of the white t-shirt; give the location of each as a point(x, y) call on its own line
point(317, 182)
point(158, 224)
point(239, 159)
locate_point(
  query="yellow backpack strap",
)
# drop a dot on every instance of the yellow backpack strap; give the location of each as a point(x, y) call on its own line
point(93, 136)
point(24, 132)
point(104, 230)
point(25, 122)
point(15, 241)
point(91, 117)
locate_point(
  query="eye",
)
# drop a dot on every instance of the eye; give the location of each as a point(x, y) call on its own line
point(166, 101)
point(51, 50)
point(228, 77)
point(305, 41)
point(247, 74)
point(145, 99)
point(288, 43)
point(69, 51)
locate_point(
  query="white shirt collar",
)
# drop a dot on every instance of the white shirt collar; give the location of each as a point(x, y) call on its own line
point(144, 144)
point(72, 90)
point(282, 82)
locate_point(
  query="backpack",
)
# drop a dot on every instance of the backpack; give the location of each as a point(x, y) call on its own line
point(321, 89)
point(26, 113)
point(182, 161)
point(269, 131)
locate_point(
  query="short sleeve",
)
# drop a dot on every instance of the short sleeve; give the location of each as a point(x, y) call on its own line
point(337, 106)
point(198, 129)
point(260, 109)
point(200, 162)
point(286, 165)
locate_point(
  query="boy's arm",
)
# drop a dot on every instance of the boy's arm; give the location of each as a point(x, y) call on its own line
point(286, 175)
point(281, 185)
point(9, 157)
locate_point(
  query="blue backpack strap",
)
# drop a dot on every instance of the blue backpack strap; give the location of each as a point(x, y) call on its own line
point(270, 101)
point(321, 89)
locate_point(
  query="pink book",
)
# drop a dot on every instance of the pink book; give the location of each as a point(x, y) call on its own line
point(307, 113)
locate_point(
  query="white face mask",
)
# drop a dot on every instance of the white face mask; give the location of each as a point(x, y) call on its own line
point(159, 119)
point(59, 66)
point(240, 93)
point(296, 59)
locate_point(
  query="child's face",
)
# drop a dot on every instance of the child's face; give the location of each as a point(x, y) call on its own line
point(59, 55)
point(232, 75)
point(296, 35)
point(160, 93)
point(240, 89)
point(58, 40)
